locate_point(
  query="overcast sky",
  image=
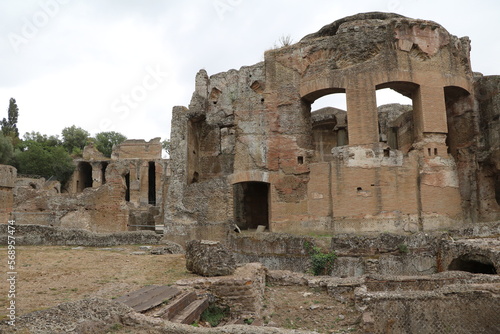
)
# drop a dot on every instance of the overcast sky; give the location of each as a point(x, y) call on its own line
point(121, 65)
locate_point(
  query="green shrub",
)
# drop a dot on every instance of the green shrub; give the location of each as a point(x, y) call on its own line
point(321, 262)
point(214, 314)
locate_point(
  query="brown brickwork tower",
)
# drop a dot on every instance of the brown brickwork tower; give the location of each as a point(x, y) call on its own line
point(249, 150)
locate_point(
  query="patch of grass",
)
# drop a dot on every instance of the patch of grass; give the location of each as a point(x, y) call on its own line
point(115, 328)
point(289, 324)
point(214, 314)
point(403, 248)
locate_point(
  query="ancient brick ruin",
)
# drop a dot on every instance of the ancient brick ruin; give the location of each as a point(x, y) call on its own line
point(401, 193)
point(249, 149)
point(121, 193)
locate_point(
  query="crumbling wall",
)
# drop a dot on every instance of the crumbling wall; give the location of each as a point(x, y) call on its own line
point(276, 251)
point(390, 170)
point(480, 255)
point(34, 235)
point(243, 291)
point(138, 149)
point(487, 172)
point(102, 209)
point(452, 309)
point(8, 175)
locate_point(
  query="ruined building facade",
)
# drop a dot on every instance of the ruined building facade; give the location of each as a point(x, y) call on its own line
point(249, 150)
point(252, 150)
point(121, 193)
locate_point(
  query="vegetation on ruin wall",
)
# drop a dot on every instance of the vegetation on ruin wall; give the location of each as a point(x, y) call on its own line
point(321, 262)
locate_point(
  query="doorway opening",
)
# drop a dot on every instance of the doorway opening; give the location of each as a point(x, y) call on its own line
point(85, 179)
point(152, 183)
point(251, 205)
point(103, 172)
point(127, 187)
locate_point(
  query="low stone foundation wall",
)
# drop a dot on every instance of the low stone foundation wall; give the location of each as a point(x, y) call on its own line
point(243, 292)
point(382, 254)
point(457, 308)
point(28, 235)
point(276, 251)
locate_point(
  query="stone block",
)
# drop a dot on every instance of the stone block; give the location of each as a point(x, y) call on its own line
point(209, 258)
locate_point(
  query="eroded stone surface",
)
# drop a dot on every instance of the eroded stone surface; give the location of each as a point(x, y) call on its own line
point(209, 258)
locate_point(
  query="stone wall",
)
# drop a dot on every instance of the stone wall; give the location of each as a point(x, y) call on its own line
point(33, 235)
point(395, 169)
point(276, 251)
point(452, 309)
point(480, 255)
point(101, 209)
point(8, 175)
point(138, 149)
point(417, 254)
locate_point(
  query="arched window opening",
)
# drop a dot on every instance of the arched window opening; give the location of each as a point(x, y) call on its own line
point(251, 205)
point(473, 263)
point(85, 176)
point(152, 183)
point(395, 114)
point(328, 122)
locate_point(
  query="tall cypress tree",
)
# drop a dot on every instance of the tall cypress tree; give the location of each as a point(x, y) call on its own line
point(9, 125)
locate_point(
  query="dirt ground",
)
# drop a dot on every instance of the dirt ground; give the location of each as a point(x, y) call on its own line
point(48, 276)
point(299, 307)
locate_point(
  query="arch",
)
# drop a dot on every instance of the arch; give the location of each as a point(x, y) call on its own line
point(251, 204)
point(249, 176)
point(318, 93)
point(473, 263)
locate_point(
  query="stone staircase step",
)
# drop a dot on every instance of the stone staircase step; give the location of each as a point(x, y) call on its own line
point(176, 306)
point(149, 297)
point(192, 312)
point(134, 294)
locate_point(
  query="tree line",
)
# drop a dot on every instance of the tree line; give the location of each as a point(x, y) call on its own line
point(48, 156)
